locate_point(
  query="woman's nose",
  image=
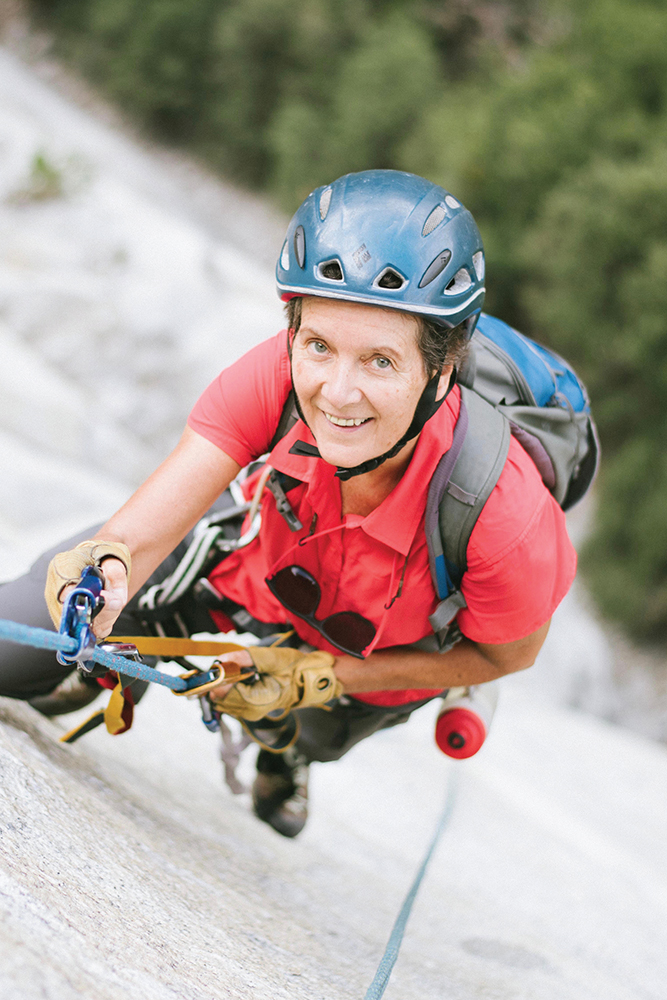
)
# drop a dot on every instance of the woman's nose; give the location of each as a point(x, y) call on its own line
point(341, 387)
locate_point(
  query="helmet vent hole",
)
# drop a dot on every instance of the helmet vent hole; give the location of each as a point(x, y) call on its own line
point(461, 282)
point(284, 257)
point(436, 267)
point(390, 279)
point(478, 264)
point(434, 219)
point(300, 246)
point(325, 201)
point(331, 270)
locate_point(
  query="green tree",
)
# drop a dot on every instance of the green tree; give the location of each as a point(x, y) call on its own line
point(505, 139)
point(161, 69)
point(385, 82)
point(597, 255)
point(269, 53)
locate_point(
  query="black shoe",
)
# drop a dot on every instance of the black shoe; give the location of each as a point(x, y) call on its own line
point(75, 692)
point(280, 791)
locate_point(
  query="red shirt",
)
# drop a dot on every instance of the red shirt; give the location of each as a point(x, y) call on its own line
point(520, 560)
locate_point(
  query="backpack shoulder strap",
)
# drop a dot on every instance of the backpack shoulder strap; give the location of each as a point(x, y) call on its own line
point(476, 472)
point(278, 483)
point(288, 418)
point(461, 485)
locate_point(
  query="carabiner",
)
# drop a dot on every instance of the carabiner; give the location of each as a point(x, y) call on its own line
point(81, 606)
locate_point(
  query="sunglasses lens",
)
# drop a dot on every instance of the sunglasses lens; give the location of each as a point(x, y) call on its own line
point(348, 630)
point(296, 589)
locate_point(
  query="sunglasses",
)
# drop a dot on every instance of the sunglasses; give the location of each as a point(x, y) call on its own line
point(300, 593)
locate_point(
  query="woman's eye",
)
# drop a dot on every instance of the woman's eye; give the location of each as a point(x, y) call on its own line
point(319, 347)
point(383, 362)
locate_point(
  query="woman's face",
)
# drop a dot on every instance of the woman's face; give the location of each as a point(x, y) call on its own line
point(358, 374)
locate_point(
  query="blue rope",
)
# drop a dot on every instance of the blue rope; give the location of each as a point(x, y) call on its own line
point(388, 960)
point(41, 638)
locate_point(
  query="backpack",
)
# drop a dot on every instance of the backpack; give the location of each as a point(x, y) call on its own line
point(510, 385)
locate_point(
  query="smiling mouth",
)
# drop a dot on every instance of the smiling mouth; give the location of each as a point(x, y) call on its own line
point(345, 421)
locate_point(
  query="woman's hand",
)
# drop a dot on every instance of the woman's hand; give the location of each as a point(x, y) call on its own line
point(232, 663)
point(286, 678)
point(115, 597)
point(114, 594)
point(65, 572)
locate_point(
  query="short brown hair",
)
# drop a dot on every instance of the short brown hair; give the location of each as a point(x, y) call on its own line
point(439, 346)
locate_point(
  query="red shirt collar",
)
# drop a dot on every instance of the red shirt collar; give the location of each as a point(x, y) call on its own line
point(395, 522)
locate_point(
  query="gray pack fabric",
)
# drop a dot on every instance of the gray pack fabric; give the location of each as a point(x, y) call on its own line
point(543, 399)
point(461, 485)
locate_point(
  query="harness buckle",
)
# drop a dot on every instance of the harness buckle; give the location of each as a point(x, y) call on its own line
point(283, 506)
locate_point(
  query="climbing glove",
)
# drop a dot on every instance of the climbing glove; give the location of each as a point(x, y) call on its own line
point(288, 679)
point(66, 568)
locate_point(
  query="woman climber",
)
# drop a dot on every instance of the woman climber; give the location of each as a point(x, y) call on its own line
point(355, 404)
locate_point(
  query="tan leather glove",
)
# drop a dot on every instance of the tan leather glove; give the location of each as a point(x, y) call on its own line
point(288, 679)
point(66, 568)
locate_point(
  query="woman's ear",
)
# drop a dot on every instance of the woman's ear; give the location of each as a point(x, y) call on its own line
point(445, 379)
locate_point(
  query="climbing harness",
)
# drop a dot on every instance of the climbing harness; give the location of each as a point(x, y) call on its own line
point(388, 960)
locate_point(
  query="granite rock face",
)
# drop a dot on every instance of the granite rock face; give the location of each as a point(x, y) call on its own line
point(109, 888)
point(127, 867)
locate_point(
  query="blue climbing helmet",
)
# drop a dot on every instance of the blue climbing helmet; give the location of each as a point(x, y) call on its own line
point(386, 238)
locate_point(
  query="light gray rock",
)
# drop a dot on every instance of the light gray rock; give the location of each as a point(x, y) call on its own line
point(131, 282)
point(127, 866)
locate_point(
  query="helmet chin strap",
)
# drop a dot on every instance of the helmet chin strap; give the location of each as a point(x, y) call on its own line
point(425, 409)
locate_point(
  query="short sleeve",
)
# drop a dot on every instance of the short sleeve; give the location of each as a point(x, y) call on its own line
point(521, 562)
point(240, 410)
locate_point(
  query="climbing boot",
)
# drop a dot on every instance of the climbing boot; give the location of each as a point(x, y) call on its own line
point(280, 791)
point(75, 692)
